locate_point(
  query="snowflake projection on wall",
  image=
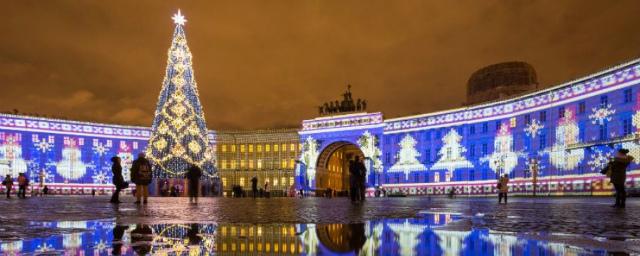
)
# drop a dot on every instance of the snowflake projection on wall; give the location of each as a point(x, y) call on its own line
point(309, 157)
point(503, 160)
point(452, 154)
point(43, 174)
point(408, 157)
point(599, 159)
point(43, 145)
point(567, 133)
point(533, 129)
point(100, 247)
point(100, 148)
point(101, 177)
point(367, 143)
point(601, 114)
point(45, 247)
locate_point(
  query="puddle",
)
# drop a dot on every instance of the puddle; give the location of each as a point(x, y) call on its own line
point(426, 235)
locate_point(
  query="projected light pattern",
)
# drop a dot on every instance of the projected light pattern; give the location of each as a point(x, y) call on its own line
point(571, 130)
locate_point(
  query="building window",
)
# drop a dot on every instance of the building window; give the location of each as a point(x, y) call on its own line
point(581, 107)
point(259, 148)
point(292, 163)
point(387, 158)
point(259, 164)
point(267, 148)
point(242, 148)
point(416, 177)
point(543, 141)
point(275, 148)
point(224, 148)
point(250, 148)
point(472, 151)
point(472, 175)
point(251, 164)
point(527, 119)
point(603, 131)
point(223, 164)
point(292, 147)
point(604, 100)
point(543, 116)
point(472, 129)
point(233, 148)
point(498, 123)
point(485, 149)
point(427, 156)
point(561, 112)
point(485, 128)
point(628, 96)
point(627, 126)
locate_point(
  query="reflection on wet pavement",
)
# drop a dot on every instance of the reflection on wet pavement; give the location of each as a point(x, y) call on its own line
point(430, 233)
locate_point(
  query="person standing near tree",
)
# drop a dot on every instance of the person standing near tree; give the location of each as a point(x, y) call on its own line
point(118, 180)
point(193, 174)
point(8, 184)
point(141, 175)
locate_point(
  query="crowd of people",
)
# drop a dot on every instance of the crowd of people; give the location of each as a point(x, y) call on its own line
point(141, 176)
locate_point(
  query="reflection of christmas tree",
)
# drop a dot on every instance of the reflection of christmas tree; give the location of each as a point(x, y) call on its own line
point(567, 133)
point(179, 132)
point(408, 157)
point(452, 154)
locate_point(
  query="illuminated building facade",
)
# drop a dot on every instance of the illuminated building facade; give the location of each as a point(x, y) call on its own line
point(565, 134)
point(269, 155)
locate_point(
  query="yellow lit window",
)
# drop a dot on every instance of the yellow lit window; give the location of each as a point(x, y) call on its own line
point(224, 182)
point(242, 163)
point(275, 247)
point(512, 122)
point(224, 148)
point(259, 247)
point(290, 181)
point(293, 248)
point(292, 148)
point(233, 247)
point(233, 148)
point(283, 181)
point(259, 163)
point(259, 148)
point(292, 163)
point(224, 247)
point(242, 247)
point(267, 247)
point(251, 247)
point(223, 164)
point(284, 147)
point(250, 164)
point(233, 164)
point(242, 181)
point(267, 148)
point(284, 163)
point(250, 148)
point(275, 147)
point(275, 182)
point(242, 148)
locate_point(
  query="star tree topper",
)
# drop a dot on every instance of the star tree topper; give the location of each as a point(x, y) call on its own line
point(179, 19)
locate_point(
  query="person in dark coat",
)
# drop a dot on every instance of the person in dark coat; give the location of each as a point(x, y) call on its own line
point(193, 174)
point(141, 239)
point(8, 184)
point(141, 175)
point(118, 233)
point(118, 180)
point(254, 186)
point(617, 170)
point(357, 170)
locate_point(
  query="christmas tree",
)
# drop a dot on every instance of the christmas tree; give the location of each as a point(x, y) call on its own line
point(408, 157)
point(452, 154)
point(179, 132)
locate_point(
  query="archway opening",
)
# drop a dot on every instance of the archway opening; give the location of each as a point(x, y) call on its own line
point(332, 171)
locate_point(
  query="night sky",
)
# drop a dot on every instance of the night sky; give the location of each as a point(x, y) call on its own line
point(264, 64)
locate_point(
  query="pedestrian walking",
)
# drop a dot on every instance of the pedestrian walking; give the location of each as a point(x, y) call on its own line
point(254, 186)
point(141, 175)
point(616, 169)
point(503, 188)
point(266, 189)
point(23, 182)
point(193, 174)
point(118, 180)
point(8, 185)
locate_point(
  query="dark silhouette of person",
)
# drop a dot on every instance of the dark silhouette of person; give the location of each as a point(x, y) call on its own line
point(118, 180)
point(23, 182)
point(141, 175)
point(357, 237)
point(617, 170)
point(141, 238)
point(193, 174)
point(118, 233)
point(357, 170)
point(254, 186)
point(193, 234)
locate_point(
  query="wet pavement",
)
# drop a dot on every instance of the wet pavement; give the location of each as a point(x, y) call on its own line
point(319, 226)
